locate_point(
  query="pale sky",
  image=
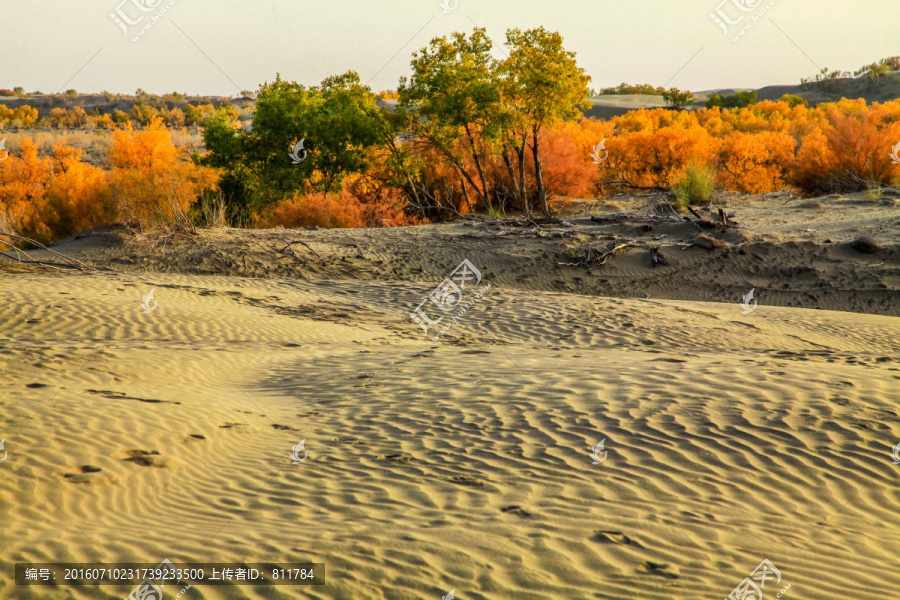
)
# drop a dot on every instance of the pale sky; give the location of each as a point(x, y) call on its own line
point(220, 47)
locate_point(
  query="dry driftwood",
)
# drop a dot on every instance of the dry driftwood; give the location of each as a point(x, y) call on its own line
point(700, 220)
point(595, 256)
point(624, 217)
point(70, 263)
point(288, 251)
point(705, 223)
point(657, 258)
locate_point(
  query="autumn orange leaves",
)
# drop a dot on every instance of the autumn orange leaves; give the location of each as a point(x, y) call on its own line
point(764, 147)
point(149, 181)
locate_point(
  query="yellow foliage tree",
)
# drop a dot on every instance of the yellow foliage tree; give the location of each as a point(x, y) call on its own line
point(156, 182)
point(55, 196)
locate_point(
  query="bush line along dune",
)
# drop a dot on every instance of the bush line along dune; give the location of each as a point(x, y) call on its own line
point(467, 133)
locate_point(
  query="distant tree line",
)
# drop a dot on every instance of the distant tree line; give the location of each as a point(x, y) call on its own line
point(629, 89)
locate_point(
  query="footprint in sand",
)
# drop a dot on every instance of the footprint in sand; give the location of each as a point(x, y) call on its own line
point(515, 510)
point(658, 569)
point(465, 480)
point(614, 537)
point(87, 474)
point(397, 458)
point(145, 458)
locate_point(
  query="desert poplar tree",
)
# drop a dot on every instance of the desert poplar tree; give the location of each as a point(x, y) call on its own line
point(541, 85)
point(454, 102)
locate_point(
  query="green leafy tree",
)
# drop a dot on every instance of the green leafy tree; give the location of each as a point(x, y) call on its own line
point(736, 100)
point(794, 100)
point(626, 88)
point(143, 113)
point(337, 121)
point(453, 103)
point(541, 85)
point(677, 99)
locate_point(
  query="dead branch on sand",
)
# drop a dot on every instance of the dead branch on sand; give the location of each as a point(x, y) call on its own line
point(288, 251)
point(70, 263)
point(595, 256)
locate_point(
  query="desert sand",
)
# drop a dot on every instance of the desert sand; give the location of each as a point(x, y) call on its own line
point(465, 464)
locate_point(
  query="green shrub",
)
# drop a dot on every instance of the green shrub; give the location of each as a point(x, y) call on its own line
point(794, 100)
point(697, 187)
point(736, 100)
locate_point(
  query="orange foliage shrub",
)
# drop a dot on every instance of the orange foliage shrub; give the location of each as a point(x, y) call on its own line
point(754, 164)
point(658, 158)
point(360, 203)
point(66, 119)
point(23, 116)
point(850, 152)
point(318, 210)
point(565, 170)
point(763, 147)
point(53, 197)
point(154, 180)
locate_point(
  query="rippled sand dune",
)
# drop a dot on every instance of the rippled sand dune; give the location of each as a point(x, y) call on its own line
point(463, 464)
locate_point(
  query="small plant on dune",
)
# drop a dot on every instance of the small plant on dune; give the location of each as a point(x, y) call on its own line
point(697, 187)
point(495, 212)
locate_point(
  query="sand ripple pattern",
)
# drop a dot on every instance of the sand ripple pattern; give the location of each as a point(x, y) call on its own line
point(459, 464)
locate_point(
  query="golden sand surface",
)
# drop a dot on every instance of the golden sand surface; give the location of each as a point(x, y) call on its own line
point(463, 464)
point(469, 461)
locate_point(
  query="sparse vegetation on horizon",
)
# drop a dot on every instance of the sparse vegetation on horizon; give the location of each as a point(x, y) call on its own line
point(622, 89)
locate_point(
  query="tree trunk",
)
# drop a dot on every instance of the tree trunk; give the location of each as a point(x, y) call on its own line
point(512, 176)
point(520, 154)
point(462, 183)
point(538, 175)
point(483, 192)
